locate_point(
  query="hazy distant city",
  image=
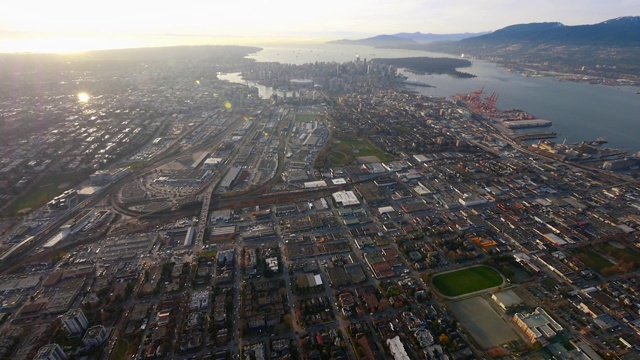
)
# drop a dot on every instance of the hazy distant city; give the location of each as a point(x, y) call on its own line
point(192, 202)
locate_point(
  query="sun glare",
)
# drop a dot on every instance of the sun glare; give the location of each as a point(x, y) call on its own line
point(83, 97)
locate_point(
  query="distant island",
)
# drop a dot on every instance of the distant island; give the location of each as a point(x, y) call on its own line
point(429, 65)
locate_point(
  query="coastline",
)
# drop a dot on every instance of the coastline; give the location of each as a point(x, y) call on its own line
point(565, 76)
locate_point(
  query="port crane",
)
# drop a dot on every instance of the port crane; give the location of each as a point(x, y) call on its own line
point(478, 93)
point(491, 100)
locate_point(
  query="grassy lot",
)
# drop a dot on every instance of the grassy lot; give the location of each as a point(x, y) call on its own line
point(120, 351)
point(361, 147)
point(44, 190)
point(593, 259)
point(346, 150)
point(337, 158)
point(134, 166)
point(467, 280)
point(625, 253)
point(126, 347)
point(402, 129)
point(208, 254)
point(601, 258)
point(626, 258)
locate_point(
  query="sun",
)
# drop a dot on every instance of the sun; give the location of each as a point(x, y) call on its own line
point(83, 97)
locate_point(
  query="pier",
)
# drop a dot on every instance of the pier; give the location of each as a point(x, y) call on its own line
point(534, 136)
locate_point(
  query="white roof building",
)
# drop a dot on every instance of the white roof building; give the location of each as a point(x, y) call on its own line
point(386, 209)
point(472, 200)
point(272, 263)
point(538, 325)
point(210, 162)
point(397, 349)
point(345, 198)
point(420, 158)
point(421, 190)
point(554, 239)
point(315, 184)
point(506, 299)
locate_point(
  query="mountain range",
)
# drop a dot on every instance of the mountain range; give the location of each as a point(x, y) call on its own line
point(622, 31)
point(404, 38)
point(609, 49)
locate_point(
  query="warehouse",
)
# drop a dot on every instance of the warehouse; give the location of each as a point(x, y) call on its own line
point(345, 198)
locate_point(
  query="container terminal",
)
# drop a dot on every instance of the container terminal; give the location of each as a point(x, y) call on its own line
point(510, 119)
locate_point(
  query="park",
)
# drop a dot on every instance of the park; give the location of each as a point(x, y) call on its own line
point(467, 281)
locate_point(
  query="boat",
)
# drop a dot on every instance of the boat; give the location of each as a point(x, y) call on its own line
point(638, 92)
point(601, 140)
point(415, 83)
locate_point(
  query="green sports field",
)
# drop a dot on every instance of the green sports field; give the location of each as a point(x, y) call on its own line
point(467, 280)
point(44, 190)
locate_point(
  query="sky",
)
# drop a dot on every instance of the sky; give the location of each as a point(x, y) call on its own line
point(290, 19)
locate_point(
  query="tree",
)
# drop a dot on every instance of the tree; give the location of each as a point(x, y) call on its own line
point(128, 289)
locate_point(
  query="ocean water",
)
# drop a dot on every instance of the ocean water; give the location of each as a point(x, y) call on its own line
point(579, 111)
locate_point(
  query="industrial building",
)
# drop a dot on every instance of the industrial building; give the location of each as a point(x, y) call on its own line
point(554, 239)
point(472, 200)
point(315, 184)
point(211, 162)
point(506, 299)
point(104, 177)
point(538, 325)
point(345, 198)
point(228, 179)
point(63, 201)
point(188, 238)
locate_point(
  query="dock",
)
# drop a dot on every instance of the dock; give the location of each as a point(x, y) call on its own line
point(534, 136)
point(522, 124)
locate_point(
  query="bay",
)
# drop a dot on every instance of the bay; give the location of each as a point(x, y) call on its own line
point(264, 92)
point(579, 111)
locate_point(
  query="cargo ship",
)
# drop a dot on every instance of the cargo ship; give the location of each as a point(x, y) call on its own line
point(524, 124)
point(599, 141)
point(415, 83)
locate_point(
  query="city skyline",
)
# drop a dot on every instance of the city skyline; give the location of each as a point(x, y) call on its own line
point(68, 24)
